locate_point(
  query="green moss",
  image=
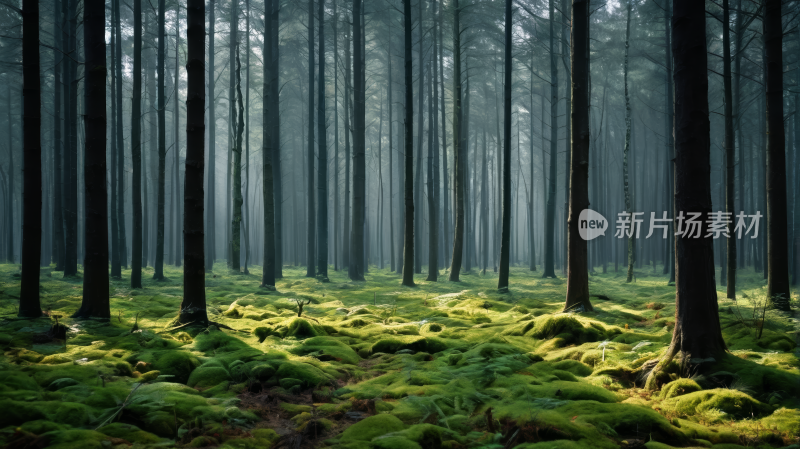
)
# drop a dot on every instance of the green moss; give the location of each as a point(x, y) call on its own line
point(129, 432)
point(308, 375)
point(371, 427)
point(679, 387)
point(177, 364)
point(574, 367)
point(327, 348)
point(208, 376)
point(732, 402)
point(23, 412)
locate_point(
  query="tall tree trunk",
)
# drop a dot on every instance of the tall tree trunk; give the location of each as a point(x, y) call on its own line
point(505, 243)
point(778, 292)
point(348, 132)
point(336, 235)
point(550, 214)
point(577, 273)
point(310, 222)
point(565, 43)
point(120, 140)
point(390, 87)
point(531, 211)
point(211, 206)
point(408, 174)
point(95, 302)
point(193, 306)
point(71, 153)
point(176, 176)
point(267, 152)
point(433, 235)
point(136, 147)
point(116, 271)
point(322, 154)
point(236, 223)
point(669, 108)
point(730, 150)
point(625, 170)
point(246, 222)
point(420, 129)
point(458, 150)
point(357, 266)
point(29, 306)
point(58, 143)
point(485, 198)
point(162, 144)
point(697, 335)
point(445, 186)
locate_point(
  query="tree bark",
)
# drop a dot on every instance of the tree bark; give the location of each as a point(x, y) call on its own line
point(29, 306)
point(357, 266)
point(162, 144)
point(550, 214)
point(310, 222)
point(116, 270)
point(267, 152)
point(95, 302)
point(322, 154)
point(71, 150)
point(211, 207)
point(238, 126)
point(408, 174)
point(176, 179)
point(505, 242)
point(120, 141)
point(697, 336)
point(778, 292)
point(136, 147)
point(458, 150)
point(193, 306)
point(730, 151)
point(625, 171)
point(58, 144)
point(577, 273)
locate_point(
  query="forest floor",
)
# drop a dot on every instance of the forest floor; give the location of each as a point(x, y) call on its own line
point(378, 365)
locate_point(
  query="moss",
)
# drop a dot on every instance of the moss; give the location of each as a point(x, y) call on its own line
point(327, 348)
point(208, 376)
point(177, 364)
point(371, 427)
point(574, 367)
point(300, 329)
point(308, 375)
point(679, 387)
point(218, 341)
point(23, 412)
point(129, 432)
point(76, 439)
point(262, 371)
point(74, 414)
point(732, 402)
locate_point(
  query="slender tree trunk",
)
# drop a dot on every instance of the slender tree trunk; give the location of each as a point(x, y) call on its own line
point(193, 306)
point(408, 237)
point(58, 143)
point(669, 132)
point(246, 224)
point(348, 132)
point(531, 210)
point(393, 262)
point(549, 234)
point(71, 153)
point(336, 235)
point(162, 144)
point(446, 239)
point(322, 153)
point(136, 147)
point(565, 43)
point(485, 198)
point(778, 291)
point(120, 141)
point(730, 150)
point(95, 302)
point(505, 243)
point(211, 207)
point(357, 266)
point(628, 201)
point(420, 129)
point(310, 222)
point(176, 179)
point(433, 236)
point(29, 306)
point(697, 335)
point(577, 273)
point(458, 150)
point(116, 271)
point(267, 153)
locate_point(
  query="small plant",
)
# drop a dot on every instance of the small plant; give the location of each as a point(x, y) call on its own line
point(301, 302)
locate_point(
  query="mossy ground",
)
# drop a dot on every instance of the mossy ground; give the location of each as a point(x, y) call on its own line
point(451, 365)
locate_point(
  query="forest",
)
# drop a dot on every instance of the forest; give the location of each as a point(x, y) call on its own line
point(400, 224)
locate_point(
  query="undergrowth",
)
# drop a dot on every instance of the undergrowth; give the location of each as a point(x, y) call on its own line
point(378, 365)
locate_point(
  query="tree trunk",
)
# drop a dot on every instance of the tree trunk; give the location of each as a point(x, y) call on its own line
point(458, 151)
point(336, 235)
point(433, 236)
point(390, 87)
point(268, 191)
point(408, 174)
point(357, 265)
point(310, 222)
point(348, 132)
point(176, 179)
point(625, 171)
point(549, 233)
point(116, 270)
point(58, 144)
point(730, 150)
point(577, 273)
point(322, 154)
point(136, 147)
point(505, 243)
point(193, 306)
point(238, 126)
point(697, 335)
point(778, 291)
point(95, 302)
point(71, 152)
point(29, 306)
point(162, 144)
point(420, 128)
point(669, 108)
point(120, 141)
point(211, 207)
